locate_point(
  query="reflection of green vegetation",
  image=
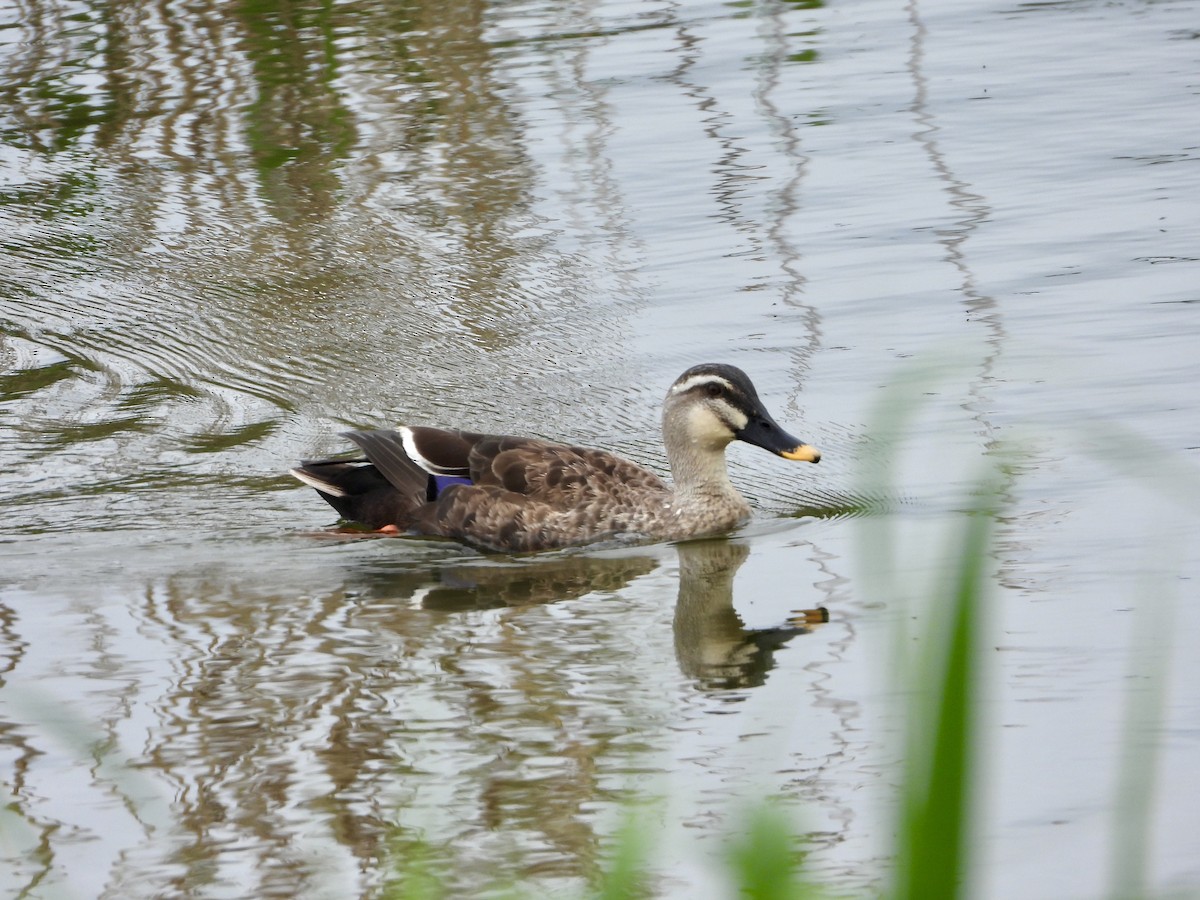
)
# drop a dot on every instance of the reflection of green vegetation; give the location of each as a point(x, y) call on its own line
point(219, 441)
point(68, 435)
point(191, 122)
point(157, 390)
point(296, 116)
point(20, 382)
point(49, 111)
point(795, 4)
point(71, 194)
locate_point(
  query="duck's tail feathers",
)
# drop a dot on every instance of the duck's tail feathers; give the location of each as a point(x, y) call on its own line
point(385, 488)
point(307, 472)
point(387, 452)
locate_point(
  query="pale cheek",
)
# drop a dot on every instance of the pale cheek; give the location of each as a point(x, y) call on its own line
point(707, 430)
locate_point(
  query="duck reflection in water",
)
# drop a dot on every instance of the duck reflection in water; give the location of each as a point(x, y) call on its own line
point(712, 643)
point(713, 646)
point(490, 585)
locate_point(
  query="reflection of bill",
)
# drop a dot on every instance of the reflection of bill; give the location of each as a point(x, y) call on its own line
point(807, 619)
point(712, 643)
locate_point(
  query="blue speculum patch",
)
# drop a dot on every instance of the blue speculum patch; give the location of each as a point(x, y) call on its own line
point(439, 483)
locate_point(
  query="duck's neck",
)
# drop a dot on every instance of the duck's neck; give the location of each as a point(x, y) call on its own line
point(700, 474)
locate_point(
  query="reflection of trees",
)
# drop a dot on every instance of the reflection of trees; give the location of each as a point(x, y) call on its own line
point(351, 711)
point(363, 719)
point(287, 79)
point(368, 715)
point(19, 824)
point(269, 117)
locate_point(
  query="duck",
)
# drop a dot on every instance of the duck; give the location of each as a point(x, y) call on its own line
point(507, 494)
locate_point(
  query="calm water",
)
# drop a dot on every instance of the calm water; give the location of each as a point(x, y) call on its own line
point(231, 230)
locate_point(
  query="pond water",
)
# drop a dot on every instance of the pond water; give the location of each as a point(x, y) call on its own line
point(232, 230)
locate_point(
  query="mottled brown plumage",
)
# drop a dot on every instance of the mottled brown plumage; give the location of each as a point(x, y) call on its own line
point(514, 494)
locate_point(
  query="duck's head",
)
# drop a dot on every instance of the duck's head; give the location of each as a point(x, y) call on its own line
point(712, 404)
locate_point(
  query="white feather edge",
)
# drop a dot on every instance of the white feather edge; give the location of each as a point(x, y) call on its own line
point(409, 440)
point(312, 481)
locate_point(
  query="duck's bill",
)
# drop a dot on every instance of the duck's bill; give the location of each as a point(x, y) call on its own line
point(803, 452)
point(762, 431)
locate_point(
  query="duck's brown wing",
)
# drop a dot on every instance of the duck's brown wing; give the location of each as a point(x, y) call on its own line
point(439, 451)
point(525, 493)
point(529, 494)
point(558, 475)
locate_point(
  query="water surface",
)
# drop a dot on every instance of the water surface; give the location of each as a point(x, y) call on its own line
point(232, 230)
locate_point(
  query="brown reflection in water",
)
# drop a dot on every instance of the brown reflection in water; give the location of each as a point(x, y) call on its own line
point(490, 586)
point(19, 825)
point(537, 765)
point(344, 714)
point(355, 719)
point(365, 720)
point(463, 127)
point(712, 643)
point(196, 84)
point(259, 122)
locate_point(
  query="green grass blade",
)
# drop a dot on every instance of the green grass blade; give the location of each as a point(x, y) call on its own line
point(763, 859)
point(1145, 714)
point(934, 835)
point(625, 877)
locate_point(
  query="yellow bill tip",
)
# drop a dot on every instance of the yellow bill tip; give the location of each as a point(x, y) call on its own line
point(803, 453)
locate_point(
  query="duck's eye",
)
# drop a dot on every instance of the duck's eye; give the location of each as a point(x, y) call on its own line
point(714, 390)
